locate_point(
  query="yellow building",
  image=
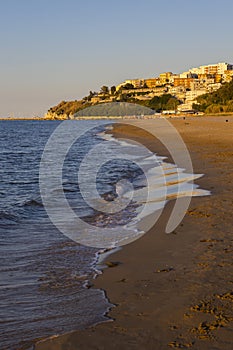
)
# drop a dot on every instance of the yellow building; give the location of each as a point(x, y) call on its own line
point(218, 78)
point(185, 82)
point(211, 69)
point(137, 83)
point(205, 76)
point(165, 77)
point(152, 83)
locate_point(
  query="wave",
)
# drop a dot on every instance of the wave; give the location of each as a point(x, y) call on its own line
point(7, 216)
point(33, 203)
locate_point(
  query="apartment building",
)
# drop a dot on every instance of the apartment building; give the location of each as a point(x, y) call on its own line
point(193, 95)
point(185, 82)
point(213, 69)
point(152, 83)
point(186, 87)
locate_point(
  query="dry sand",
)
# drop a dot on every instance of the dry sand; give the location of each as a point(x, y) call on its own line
point(176, 290)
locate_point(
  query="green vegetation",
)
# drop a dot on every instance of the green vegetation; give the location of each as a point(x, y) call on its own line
point(157, 103)
point(127, 86)
point(216, 102)
point(164, 102)
point(113, 90)
point(104, 90)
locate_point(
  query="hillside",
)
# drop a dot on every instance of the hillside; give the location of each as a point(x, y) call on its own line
point(207, 89)
point(218, 101)
point(68, 107)
point(88, 108)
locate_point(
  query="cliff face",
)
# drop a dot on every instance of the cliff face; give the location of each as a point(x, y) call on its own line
point(65, 109)
point(54, 116)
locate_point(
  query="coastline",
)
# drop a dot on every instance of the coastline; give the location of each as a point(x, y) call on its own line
point(168, 116)
point(162, 280)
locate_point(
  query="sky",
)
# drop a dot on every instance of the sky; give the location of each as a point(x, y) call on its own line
point(54, 50)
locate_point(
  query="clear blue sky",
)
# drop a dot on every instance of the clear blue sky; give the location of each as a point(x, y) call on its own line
point(59, 50)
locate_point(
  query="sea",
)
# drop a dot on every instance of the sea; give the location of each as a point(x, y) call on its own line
point(45, 272)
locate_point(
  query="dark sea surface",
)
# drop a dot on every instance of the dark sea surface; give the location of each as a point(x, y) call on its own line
point(43, 274)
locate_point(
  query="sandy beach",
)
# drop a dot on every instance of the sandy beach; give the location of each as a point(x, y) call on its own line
point(174, 290)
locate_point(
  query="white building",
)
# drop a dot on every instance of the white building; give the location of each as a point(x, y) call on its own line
point(195, 71)
point(222, 67)
point(214, 87)
point(192, 95)
point(184, 75)
point(185, 107)
point(218, 68)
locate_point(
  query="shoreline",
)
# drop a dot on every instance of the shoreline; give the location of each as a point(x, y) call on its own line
point(167, 116)
point(162, 280)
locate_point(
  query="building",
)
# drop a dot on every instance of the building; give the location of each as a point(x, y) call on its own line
point(205, 77)
point(218, 68)
point(172, 77)
point(137, 83)
point(192, 95)
point(184, 75)
point(201, 79)
point(165, 77)
point(218, 77)
point(196, 71)
point(213, 87)
point(151, 83)
point(179, 92)
point(213, 69)
point(185, 82)
point(159, 91)
point(185, 107)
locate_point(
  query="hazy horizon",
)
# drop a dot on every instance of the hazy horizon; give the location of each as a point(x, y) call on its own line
point(60, 51)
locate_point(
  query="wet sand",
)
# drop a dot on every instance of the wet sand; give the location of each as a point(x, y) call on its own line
point(174, 290)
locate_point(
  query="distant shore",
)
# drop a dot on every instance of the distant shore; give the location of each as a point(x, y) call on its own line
point(177, 116)
point(174, 291)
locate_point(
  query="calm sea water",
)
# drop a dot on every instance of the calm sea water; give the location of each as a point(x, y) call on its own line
point(43, 274)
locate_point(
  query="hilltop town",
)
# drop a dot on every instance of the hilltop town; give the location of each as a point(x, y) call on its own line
point(168, 93)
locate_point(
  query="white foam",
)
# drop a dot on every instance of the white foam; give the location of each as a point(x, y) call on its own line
point(161, 183)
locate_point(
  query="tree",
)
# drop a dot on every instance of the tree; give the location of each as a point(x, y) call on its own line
point(123, 98)
point(172, 104)
point(128, 86)
point(89, 97)
point(113, 90)
point(154, 103)
point(104, 89)
point(164, 102)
